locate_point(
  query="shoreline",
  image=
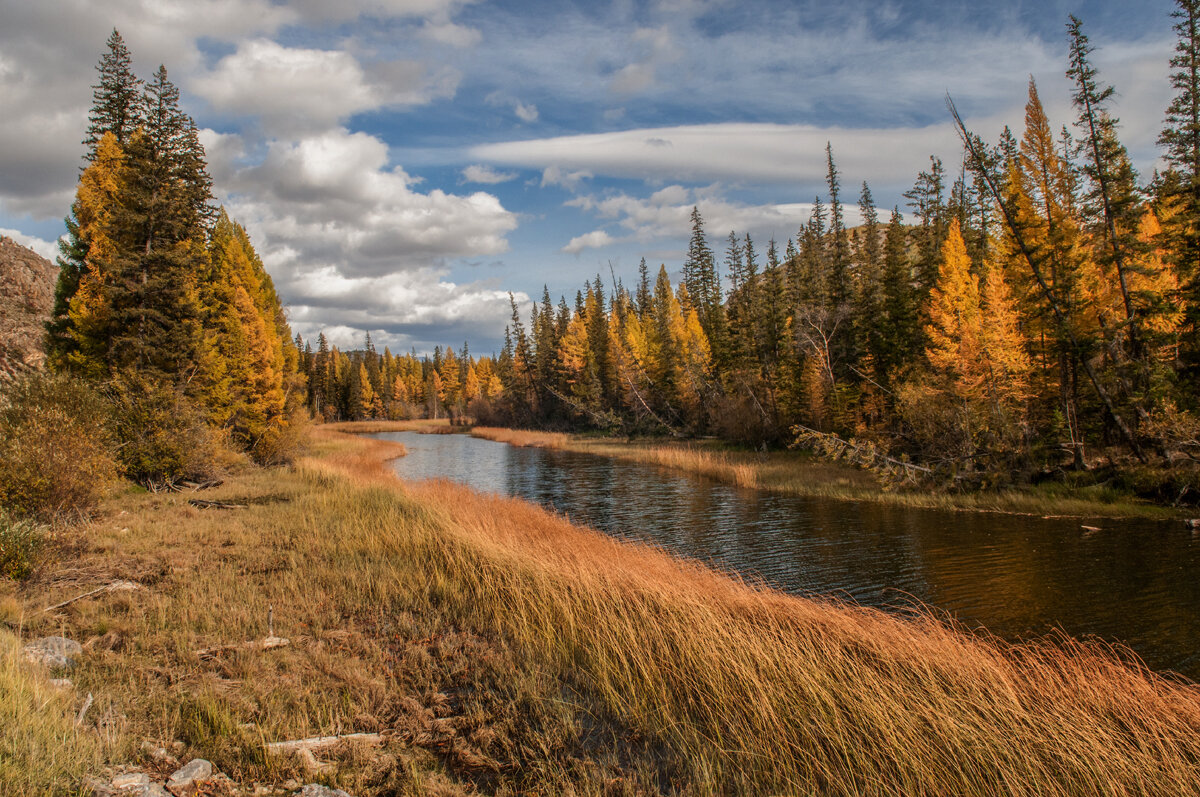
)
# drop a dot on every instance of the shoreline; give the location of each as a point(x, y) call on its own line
point(799, 474)
point(492, 645)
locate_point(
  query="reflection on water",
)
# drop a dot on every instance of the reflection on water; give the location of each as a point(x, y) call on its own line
point(1134, 581)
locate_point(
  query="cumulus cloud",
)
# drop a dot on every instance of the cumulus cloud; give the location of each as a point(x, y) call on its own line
point(294, 90)
point(331, 197)
point(486, 175)
point(592, 240)
point(352, 244)
point(420, 308)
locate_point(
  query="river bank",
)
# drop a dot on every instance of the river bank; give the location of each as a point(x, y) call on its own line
point(497, 648)
point(802, 474)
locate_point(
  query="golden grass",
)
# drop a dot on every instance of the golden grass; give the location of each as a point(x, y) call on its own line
point(524, 438)
point(41, 750)
point(515, 653)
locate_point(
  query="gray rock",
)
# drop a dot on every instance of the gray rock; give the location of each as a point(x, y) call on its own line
point(130, 781)
point(61, 683)
point(190, 774)
point(154, 790)
point(315, 790)
point(55, 652)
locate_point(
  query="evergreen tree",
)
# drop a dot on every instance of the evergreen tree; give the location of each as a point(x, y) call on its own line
point(1181, 184)
point(115, 99)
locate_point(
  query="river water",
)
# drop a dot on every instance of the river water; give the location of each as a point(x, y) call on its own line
point(1134, 582)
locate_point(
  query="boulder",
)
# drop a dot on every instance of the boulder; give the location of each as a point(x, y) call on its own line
point(130, 781)
point(55, 652)
point(316, 790)
point(190, 775)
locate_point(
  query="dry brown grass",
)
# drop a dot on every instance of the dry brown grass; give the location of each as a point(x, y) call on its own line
point(524, 438)
point(514, 653)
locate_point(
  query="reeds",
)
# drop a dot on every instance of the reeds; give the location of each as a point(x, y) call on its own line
point(523, 438)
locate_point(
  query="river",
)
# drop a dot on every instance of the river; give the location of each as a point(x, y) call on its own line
point(1134, 582)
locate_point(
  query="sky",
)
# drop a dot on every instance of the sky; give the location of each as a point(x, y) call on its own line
point(403, 165)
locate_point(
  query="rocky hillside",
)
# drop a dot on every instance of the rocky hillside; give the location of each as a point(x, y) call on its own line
point(26, 299)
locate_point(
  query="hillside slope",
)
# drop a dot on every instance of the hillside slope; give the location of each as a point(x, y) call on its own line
point(26, 299)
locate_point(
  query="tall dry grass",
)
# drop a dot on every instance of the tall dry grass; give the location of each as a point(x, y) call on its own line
point(41, 749)
point(511, 652)
point(756, 692)
point(523, 438)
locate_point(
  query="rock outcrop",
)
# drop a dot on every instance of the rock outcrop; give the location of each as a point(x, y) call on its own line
point(26, 300)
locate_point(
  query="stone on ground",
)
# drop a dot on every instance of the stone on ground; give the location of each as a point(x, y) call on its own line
point(55, 652)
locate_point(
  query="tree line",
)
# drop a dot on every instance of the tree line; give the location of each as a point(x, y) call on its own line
point(1041, 306)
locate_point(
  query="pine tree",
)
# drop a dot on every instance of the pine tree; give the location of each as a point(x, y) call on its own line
point(115, 99)
point(1181, 184)
point(869, 299)
point(899, 329)
point(1114, 197)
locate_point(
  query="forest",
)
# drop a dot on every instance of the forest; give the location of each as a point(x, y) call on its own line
point(1036, 310)
point(1033, 310)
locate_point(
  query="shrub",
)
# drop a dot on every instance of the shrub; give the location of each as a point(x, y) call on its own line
point(54, 444)
point(162, 437)
point(283, 442)
point(20, 541)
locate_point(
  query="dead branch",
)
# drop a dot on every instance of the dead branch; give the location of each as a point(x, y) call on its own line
point(116, 586)
point(266, 643)
point(315, 743)
point(202, 504)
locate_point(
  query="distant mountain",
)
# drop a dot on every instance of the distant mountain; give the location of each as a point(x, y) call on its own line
point(26, 299)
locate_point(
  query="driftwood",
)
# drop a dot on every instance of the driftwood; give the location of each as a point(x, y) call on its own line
point(305, 749)
point(315, 743)
point(202, 504)
point(266, 643)
point(116, 586)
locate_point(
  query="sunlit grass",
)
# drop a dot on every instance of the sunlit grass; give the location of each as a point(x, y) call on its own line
point(511, 652)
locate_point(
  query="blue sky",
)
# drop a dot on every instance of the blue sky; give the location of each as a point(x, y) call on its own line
point(403, 164)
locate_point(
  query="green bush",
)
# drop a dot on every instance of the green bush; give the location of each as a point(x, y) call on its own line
point(161, 436)
point(54, 446)
point(20, 541)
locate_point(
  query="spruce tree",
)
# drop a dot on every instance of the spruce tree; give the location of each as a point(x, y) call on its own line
point(116, 97)
point(1181, 184)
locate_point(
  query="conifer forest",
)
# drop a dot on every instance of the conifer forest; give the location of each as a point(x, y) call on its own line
point(1032, 308)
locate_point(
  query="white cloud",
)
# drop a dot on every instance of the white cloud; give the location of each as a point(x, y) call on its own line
point(419, 308)
point(331, 197)
point(771, 153)
point(293, 90)
point(451, 33)
point(556, 175)
point(526, 113)
point(486, 175)
point(47, 249)
point(592, 240)
point(666, 214)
